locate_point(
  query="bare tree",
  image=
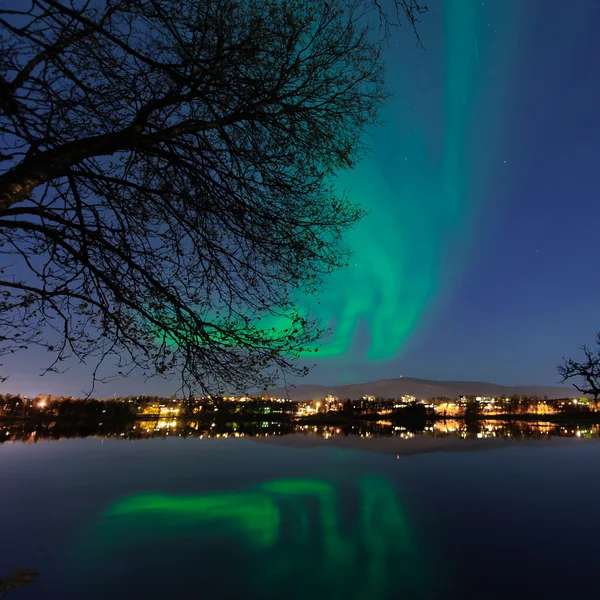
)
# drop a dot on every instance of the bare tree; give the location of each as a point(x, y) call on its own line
point(588, 371)
point(411, 10)
point(167, 179)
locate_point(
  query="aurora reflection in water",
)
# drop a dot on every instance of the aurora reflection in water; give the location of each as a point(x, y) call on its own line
point(289, 530)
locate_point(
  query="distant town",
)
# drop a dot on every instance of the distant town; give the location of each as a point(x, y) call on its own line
point(327, 409)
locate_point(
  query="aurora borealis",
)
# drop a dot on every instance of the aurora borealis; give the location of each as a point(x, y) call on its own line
point(469, 263)
point(418, 186)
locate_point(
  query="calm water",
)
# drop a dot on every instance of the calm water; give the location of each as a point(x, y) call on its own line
point(433, 515)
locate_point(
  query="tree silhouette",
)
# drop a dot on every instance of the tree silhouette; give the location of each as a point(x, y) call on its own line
point(411, 10)
point(587, 371)
point(166, 178)
point(473, 410)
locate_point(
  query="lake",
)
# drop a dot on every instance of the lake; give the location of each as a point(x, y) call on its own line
point(506, 511)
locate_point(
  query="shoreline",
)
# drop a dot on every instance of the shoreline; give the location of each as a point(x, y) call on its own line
point(591, 418)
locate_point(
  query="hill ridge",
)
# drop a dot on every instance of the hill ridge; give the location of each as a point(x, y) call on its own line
point(421, 388)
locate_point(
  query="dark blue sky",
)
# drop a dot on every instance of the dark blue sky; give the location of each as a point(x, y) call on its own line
point(478, 259)
point(513, 284)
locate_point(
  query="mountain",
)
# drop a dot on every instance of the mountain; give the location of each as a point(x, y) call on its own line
point(421, 388)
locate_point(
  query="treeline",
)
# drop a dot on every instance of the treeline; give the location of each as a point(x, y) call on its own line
point(15, 406)
point(217, 409)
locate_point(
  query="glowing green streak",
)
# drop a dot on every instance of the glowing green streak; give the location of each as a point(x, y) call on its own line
point(255, 514)
point(386, 528)
point(334, 546)
point(289, 527)
point(424, 187)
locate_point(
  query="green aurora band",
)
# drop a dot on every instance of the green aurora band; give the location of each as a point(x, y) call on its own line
point(423, 188)
point(285, 528)
point(426, 183)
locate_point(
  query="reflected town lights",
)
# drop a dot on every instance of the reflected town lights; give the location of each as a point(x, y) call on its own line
point(368, 430)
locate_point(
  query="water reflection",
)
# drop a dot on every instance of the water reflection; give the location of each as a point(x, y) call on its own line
point(288, 510)
point(31, 431)
point(296, 533)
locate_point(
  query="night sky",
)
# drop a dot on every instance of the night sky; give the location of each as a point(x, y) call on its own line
point(478, 259)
